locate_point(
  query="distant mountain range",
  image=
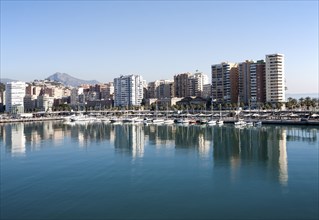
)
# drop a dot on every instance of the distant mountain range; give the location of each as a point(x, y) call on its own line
point(68, 80)
point(5, 80)
point(301, 95)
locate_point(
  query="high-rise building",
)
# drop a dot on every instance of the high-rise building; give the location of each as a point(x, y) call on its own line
point(207, 91)
point(196, 83)
point(244, 84)
point(15, 92)
point(165, 89)
point(224, 82)
point(257, 83)
point(152, 89)
point(275, 78)
point(128, 90)
point(181, 85)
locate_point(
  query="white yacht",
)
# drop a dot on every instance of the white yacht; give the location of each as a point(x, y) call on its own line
point(240, 122)
point(211, 122)
point(220, 122)
point(158, 121)
point(169, 121)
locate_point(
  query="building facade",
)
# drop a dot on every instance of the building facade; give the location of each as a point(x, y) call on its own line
point(128, 91)
point(275, 78)
point(15, 92)
point(224, 82)
point(196, 84)
point(257, 83)
point(181, 85)
point(244, 82)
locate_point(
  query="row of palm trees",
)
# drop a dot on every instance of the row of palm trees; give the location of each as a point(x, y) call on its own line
point(303, 103)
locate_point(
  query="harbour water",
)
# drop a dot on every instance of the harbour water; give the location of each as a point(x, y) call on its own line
point(51, 170)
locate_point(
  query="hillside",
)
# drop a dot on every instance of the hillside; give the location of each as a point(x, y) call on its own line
point(5, 80)
point(68, 80)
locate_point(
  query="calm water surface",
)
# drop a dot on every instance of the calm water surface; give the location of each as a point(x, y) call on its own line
point(52, 170)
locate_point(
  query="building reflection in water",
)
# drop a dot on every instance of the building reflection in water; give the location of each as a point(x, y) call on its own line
point(15, 139)
point(129, 139)
point(241, 146)
point(194, 137)
point(226, 145)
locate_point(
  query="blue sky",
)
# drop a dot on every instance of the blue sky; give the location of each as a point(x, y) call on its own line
point(105, 39)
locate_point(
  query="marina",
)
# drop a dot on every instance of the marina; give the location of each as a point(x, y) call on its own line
point(252, 118)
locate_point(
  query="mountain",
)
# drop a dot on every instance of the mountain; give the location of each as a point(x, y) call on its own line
point(301, 95)
point(68, 80)
point(5, 80)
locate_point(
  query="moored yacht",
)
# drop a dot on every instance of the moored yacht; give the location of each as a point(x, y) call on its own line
point(211, 122)
point(240, 122)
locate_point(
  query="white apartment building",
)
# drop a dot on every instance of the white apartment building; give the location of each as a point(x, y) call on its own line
point(160, 89)
point(196, 84)
point(45, 102)
point(128, 90)
point(74, 97)
point(275, 78)
point(15, 92)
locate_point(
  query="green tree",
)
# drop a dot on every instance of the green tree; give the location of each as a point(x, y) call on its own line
point(267, 106)
point(308, 102)
point(314, 102)
point(278, 105)
point(301, 102)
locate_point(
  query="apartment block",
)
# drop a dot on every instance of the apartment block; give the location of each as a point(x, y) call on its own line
point(152, 89)
point(257, 83)
point(15, 92)
point(107, 91)
point(196, 83)
point(244, 82)
point(165, 89)
point(181, 88)
point(128, 90)
point(207, 91)
point(224, 82)
point(275, 78)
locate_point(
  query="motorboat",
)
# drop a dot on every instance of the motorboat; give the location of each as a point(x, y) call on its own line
point(240, 122)
point(158, 121)
point(258, 123)
point(169, 121)
point(211, 122)
point(220, 122)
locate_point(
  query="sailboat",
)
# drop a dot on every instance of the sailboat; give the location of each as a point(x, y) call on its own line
point(258, 123)
point(220, 121)
point(240, 121)
point(167, 120)
point(157, 120)
point(249, 123)
point(211, 121)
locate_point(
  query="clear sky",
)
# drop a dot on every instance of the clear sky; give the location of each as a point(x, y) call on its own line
point(102, 40)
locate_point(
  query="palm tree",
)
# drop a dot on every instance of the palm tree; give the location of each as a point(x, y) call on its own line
point(289, 103)
point(308, 102)
point(314, 102)
point(278, 105)
point(292, 103)
point(301, 102)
